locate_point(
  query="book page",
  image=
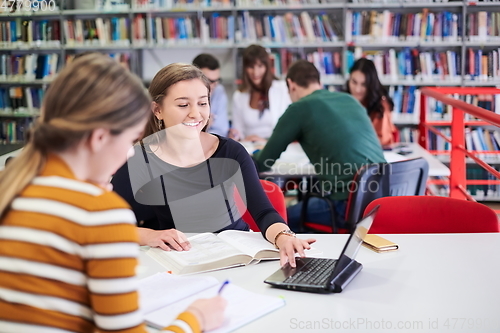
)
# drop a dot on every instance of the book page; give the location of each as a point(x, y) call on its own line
point(249, 242)
point(162, 289)
point(208, 252)
point(205, 248)
point(253, 244)
point(243, 307)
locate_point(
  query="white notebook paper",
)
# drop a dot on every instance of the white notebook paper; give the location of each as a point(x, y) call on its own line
point(164, 296)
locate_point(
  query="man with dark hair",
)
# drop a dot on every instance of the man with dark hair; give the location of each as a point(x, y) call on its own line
point(335, 132)
point(209, 65)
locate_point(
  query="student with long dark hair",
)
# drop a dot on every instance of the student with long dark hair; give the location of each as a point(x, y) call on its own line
point(68, 249)
point(260, 100)
point(365, 86)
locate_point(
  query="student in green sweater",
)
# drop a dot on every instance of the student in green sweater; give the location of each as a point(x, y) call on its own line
point(335, 132)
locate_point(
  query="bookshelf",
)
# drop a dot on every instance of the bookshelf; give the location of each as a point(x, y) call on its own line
point(147, 34)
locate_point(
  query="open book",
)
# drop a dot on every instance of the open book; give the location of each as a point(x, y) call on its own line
point(164, 296)
point(210, 252)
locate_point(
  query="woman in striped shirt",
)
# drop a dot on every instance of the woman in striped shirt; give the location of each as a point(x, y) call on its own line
point(68, 246)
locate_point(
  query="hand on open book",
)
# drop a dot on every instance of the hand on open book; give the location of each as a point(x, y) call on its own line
point(164, 239)
point(290, 245)
point(209, 311)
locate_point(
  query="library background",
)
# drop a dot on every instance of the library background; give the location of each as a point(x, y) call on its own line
point(413, 43)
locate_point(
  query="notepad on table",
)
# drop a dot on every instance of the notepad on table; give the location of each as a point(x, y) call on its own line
point(164, 296)
point(211, 252)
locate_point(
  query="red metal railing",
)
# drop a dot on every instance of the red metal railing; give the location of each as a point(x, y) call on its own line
point(457, 181)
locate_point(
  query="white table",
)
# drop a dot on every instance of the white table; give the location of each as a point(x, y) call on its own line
point(433, 283)
point(294, 162)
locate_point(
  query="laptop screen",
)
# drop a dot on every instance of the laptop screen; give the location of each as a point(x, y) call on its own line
point(354, 242)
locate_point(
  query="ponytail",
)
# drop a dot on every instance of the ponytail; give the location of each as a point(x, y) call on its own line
point(18, 174)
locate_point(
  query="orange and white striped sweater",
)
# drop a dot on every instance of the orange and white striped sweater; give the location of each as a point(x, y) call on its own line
point(68, 257)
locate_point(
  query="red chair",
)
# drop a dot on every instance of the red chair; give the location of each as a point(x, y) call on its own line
point(431, 214)
point(274, 194)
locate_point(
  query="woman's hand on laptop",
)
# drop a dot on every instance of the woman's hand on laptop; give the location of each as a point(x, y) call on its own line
point(165, 239)
point(288, 246)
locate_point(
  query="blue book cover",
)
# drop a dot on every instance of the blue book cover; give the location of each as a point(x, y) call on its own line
point(446, 24)
point(230, 28)
point(397, 24)
point(46, 67)
point(355, 24)
point(115, 29)
point(402, 63)
point(181, 28)
point(321, 28)
point(430, 26)
point(273, 33)
point(480, 134)
point(328, 62)
point(411, 99)
point(2, 100)
point(398, 94)
point(13, 31)
point(153, 28)
point(408, 62)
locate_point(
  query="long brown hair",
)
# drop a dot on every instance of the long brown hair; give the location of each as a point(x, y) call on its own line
point(92, 92)
point(251, 55)
point(375, 91)
point(164, 79)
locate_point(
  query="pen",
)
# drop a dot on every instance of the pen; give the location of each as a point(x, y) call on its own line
point(225, 283)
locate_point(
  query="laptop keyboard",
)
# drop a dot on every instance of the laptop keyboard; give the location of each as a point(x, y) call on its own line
point(316, 272)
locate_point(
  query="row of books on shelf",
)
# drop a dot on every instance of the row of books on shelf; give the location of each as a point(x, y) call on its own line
point(369, 26)
point(286, 28)
point(28, 67)
point(483, 26)
point(15, 101)
point(441, 112)
point(14, 130)
point(408, 135)
point(160, 4)
point(21, 32)
point(487, 192)
point(329, 64)
point(290, 27)
point(98, 31)
point(165, 4)
point(411, 64)
point(168, 30)
point(406, 104)
point(477, 139)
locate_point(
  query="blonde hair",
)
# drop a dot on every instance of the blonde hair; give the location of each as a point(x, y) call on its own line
point(164, 79)
point(92, 92)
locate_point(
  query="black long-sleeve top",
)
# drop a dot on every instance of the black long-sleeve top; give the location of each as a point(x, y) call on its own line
point(198, 198)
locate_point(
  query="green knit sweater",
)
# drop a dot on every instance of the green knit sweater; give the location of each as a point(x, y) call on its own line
point(335, 132)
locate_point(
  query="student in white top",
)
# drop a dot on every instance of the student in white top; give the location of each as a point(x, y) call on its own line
point(261, 99)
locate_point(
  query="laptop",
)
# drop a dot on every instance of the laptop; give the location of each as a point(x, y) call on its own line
point(320, 275)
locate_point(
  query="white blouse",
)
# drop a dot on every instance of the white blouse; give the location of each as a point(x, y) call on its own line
point(246, 120)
